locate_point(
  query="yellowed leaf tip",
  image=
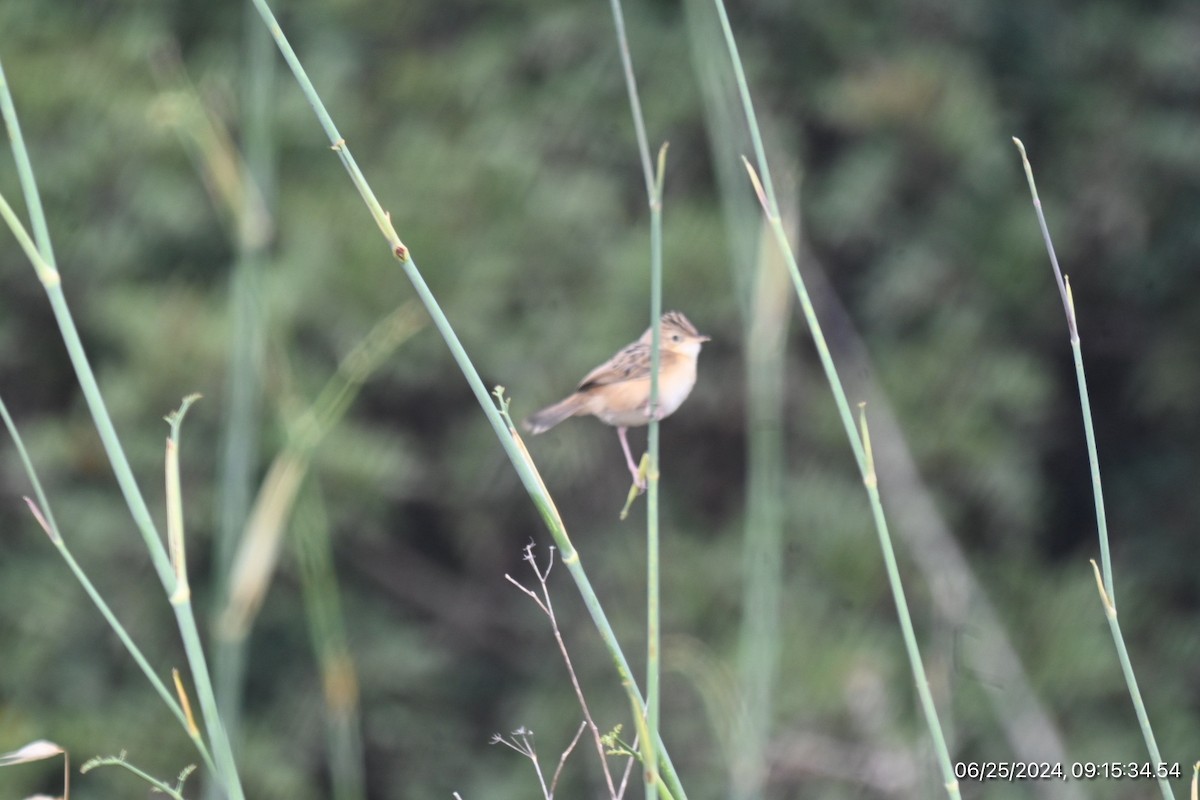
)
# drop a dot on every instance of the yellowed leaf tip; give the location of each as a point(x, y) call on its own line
point(1108, 606)
point(41, 520)
point(758, 188)
point(661, 167)
point(634, 491)
point(183, 701)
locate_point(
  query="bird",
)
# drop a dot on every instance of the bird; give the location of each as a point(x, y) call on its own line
point(618, 391)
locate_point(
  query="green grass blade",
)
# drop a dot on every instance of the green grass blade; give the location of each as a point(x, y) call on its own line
point(1104, 578)
point(765, 189)
point(509, 439)
point(328, 633)
point(48, 274)
point(654, 190)
point(243, 392)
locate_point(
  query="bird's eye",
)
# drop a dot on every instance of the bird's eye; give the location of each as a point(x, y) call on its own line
point(677, 338)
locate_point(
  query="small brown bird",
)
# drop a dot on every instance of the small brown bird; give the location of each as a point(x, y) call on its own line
point(618, 391)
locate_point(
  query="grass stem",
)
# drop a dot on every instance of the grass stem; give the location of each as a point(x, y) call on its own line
point(505, 431)
point(248, 330)
point(45, 517)
point(654, 197)
point(764, 187)
point(1104, 573)
point(47, 271)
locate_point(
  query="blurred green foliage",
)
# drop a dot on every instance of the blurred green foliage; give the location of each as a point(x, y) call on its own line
point(497, 135)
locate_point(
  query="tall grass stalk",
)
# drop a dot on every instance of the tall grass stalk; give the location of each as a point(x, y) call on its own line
point(762, 568)
point(653, 473)
point(764, 187)
point(42, 258)
point(654, 189)
point(243, 390)
point(253, 565)
point(1104, 577)
point(339, 678)
point(505, 432)
point(956, 589)
point(759, 280)
point(41, 255)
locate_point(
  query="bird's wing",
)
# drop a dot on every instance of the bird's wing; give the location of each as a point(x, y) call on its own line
point(630, 364)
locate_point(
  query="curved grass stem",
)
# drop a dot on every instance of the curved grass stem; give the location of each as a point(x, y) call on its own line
point(47, 271)
point(505, 432)
point(1104, 572)
point(45, 517)
point(764, 188)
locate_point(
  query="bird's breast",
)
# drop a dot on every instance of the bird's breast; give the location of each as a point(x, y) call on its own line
point(627, 404)
point(674, 386)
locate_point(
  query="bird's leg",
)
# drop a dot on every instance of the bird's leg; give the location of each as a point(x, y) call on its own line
point(633, 470)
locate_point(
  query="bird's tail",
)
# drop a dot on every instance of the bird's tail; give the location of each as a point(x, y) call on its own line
point(548, 417)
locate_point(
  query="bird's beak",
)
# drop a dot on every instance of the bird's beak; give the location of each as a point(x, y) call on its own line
point(704, 338)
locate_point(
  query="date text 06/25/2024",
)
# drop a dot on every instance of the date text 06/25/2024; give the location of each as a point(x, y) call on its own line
point(1054, 770)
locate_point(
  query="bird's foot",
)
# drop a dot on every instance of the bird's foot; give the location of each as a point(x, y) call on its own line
point(639, 472)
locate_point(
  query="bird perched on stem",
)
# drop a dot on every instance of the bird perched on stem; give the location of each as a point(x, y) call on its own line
point(618, 391)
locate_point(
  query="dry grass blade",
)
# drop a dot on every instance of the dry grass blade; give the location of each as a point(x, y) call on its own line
point(41, 750)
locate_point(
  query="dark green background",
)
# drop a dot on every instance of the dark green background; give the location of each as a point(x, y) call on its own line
point(498, 136)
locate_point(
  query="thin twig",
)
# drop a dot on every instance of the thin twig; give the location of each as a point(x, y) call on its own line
point(521, 742)
point(547, 607)
point(628, 771)
point(562, 760)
